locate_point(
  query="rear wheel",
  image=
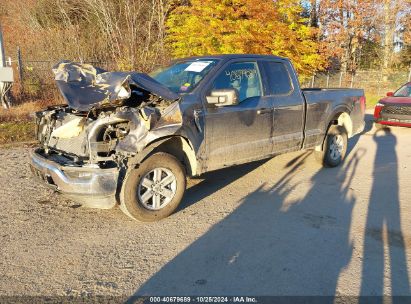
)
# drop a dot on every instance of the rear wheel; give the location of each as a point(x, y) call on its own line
point(334, 147)
point(153, 190)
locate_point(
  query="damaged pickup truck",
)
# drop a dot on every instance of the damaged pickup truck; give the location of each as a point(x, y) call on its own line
point(132, 138)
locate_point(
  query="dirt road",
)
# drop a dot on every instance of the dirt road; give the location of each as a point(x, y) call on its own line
point(279, 227)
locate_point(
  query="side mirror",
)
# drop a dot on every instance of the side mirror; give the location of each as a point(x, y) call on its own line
point(225, 97)
point(390, 94)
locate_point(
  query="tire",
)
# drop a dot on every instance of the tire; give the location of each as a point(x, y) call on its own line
point(334, 147)
point(154, 190)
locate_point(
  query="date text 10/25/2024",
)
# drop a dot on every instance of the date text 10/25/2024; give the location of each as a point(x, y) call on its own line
point(205, 299)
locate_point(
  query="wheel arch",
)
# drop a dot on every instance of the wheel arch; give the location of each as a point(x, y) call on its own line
point(341, 117)
point(176, 145)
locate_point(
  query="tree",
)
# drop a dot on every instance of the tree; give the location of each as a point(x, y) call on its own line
point(346, 26)
point(391, 9)
point(363, 33)
point(402, 38)
point(127, 33)
point(244, 26)
point(313, 21)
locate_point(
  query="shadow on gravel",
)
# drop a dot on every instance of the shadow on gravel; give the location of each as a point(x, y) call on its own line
point(280, 243)
point(216, 180)
point(369, 121)
point(383, 227)
point(271, 244)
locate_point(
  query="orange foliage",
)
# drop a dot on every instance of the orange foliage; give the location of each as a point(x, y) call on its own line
point(244, 26)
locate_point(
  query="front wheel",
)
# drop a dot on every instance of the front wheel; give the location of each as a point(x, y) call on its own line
point(334, 147)
point(153, 190)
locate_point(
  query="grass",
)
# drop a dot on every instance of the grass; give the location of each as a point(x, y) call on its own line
point(16, 123)
point(13, 132)
point(372, 99)
point(22, 112)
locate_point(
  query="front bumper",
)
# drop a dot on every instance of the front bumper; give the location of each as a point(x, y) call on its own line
point(393, 114)
point(91, 186)
point(394, 123)
point(394, 120)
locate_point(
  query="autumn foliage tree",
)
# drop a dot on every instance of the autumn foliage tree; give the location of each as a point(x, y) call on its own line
point(127, 33)
point(347, 27)
point(363, 34)
point(244, 26)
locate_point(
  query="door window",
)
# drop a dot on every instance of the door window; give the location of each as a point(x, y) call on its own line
point(279, 81)
point(242, 76)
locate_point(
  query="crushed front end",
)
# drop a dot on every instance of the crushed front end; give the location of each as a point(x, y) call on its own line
point(76, 152)
point(84, 146)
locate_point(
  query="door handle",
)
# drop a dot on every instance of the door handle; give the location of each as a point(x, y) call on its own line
point(263, 111)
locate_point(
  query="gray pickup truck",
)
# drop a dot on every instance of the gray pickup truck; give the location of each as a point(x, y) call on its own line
point(132, 138)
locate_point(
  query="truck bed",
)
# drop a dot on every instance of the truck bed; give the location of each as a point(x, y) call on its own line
point(323, 104)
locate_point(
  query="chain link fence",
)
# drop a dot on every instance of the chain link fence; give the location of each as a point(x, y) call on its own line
point(374, 82)
point(34, 79)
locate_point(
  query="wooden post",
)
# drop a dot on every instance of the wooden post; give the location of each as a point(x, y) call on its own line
point(328, 78)
point(341, 75)
point(312, 81)
point(379, 83)
point(20, 69)
point(352, 80)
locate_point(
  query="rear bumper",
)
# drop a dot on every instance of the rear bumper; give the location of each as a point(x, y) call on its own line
point(91, 186)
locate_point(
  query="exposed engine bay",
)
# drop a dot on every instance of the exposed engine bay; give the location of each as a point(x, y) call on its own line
point(107, 118)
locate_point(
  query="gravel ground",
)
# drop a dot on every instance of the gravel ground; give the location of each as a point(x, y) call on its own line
point(284, 226)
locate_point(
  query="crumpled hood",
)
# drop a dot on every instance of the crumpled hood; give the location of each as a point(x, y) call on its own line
point(85, 87)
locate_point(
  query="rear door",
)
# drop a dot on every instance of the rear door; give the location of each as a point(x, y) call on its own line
point(238, 133)
point(283, 92)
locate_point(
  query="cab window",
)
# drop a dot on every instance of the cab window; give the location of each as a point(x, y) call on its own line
point(279, 81)
point(242, 76)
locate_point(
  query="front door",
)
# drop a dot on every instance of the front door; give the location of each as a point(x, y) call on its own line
point(240, 133)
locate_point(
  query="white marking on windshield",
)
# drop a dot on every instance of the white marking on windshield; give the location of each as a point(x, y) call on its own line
point(198, 66)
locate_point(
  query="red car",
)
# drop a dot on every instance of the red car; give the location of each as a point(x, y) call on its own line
point(395, 109)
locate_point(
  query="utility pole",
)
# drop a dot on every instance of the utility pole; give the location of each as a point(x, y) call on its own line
point(2, 55)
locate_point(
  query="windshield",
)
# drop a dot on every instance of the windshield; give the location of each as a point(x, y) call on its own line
point(183, 76)
point(404, 91)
